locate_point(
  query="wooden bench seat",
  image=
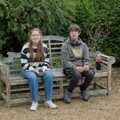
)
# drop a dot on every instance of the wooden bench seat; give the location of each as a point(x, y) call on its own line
point(15, 88)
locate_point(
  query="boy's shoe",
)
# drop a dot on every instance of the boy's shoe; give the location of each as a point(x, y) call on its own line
point(50, 104)
point(84, 96)
point(67, 96)
point(34, 106)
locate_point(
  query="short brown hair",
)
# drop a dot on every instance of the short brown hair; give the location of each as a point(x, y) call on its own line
point(74, 27)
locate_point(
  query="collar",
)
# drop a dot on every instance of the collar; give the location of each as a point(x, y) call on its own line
point(75, 42)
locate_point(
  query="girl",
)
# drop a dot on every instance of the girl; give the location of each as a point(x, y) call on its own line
point(35, 64)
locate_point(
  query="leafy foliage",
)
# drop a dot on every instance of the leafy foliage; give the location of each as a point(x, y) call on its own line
point(100, 23)
point(17, 17)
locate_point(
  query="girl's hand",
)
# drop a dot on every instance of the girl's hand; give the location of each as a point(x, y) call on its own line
point(44, 68)
point(36, 71)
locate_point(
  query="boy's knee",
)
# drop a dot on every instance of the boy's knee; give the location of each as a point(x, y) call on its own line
point(91, 74)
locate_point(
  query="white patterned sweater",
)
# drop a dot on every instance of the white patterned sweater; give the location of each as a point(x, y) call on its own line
point(30, 66)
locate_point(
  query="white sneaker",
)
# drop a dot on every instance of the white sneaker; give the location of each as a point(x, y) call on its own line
point(34, 106)
point(50, 104)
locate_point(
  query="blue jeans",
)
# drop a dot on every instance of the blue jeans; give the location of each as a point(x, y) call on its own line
point(33, 83)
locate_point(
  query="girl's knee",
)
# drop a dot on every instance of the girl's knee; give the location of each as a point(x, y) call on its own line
point(30, 75)
point(48, 74)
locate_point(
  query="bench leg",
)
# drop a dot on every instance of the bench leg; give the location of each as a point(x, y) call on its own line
point(8, 94)
point(61, 88)
point(109, 80)
point(109, 85)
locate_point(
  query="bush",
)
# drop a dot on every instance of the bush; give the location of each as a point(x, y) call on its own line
point(18, 17)
point(100, 25)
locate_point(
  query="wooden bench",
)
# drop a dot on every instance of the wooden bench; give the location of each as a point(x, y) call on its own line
point(16, 90)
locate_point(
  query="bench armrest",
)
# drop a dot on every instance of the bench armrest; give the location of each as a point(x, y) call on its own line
point(107, 59)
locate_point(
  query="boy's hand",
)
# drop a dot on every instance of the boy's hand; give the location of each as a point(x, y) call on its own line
point(86, 67)
point(80, 68)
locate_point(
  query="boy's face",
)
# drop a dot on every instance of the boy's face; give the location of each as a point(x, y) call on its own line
point(74, 35)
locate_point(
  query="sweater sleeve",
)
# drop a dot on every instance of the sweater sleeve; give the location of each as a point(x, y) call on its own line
point(66, 58)
point(46, 63)
point(24, 58)
point(86, 57)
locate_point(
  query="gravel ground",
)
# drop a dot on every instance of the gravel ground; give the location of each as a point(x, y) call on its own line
point(97, 108)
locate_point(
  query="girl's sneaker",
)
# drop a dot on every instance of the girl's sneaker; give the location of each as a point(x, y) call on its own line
point(50, 104)
point(34, 106)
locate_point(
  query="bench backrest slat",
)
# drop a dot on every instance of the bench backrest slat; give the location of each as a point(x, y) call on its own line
point(54, 44)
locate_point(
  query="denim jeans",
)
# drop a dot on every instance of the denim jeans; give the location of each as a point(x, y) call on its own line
point(33, 83)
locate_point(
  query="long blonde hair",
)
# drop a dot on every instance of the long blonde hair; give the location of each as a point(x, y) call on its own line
point(40, 49)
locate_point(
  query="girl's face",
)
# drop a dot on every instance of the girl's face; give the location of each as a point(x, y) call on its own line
point(35, 36)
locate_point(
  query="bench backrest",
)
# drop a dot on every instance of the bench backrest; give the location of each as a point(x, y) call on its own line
point(54, 44)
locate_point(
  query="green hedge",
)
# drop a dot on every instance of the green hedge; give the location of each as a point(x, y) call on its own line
point(18, 17)
point(100, 22)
